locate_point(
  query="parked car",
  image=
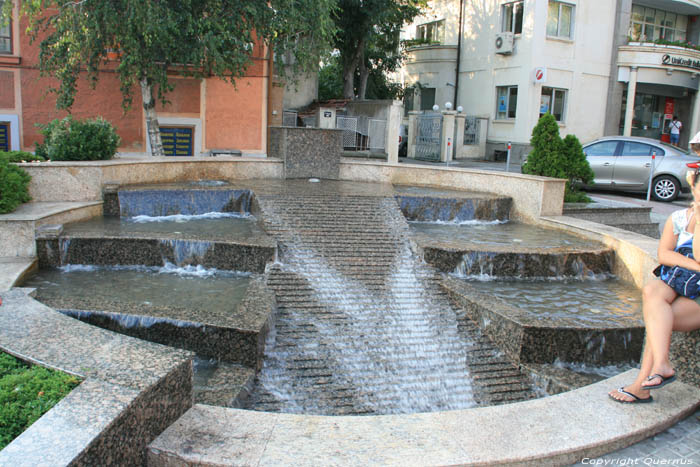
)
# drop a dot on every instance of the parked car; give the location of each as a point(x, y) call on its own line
point(623, 163)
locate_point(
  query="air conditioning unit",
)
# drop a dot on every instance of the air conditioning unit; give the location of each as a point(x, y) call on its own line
point(504, 43)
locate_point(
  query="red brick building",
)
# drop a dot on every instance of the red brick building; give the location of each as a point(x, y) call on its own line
point(215, 114)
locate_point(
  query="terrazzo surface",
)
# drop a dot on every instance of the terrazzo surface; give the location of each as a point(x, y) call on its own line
point(113, 412)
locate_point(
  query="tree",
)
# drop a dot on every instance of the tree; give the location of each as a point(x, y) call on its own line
point(368, 38)
point(553, 157)
point(195, 38)
point(378, 86)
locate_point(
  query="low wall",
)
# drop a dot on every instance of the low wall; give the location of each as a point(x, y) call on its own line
point(83, 181)
point(307, 152)
point(532, 196)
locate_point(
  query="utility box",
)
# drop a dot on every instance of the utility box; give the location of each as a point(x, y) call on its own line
point(325, 118)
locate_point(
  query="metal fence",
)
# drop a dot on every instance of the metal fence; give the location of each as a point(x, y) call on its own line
point(289, 118)
point(471, 131)
point(361, 133)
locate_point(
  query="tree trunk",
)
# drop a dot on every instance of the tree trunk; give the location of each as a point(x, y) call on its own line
point(349, 67)
point(364, 75)
point(349, 80)
point(152, 126)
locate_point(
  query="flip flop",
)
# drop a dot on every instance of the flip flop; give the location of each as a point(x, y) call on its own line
point(637, 400)
point(664, 381)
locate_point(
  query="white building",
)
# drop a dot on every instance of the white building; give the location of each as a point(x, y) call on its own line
point(594, 57)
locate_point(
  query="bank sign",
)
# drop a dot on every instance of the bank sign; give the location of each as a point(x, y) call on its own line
point(680, 61)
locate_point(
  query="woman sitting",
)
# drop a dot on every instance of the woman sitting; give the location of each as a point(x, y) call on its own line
point(664, 310)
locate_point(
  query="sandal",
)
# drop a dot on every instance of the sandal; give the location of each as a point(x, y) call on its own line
point(664, 381)
point(637, 400)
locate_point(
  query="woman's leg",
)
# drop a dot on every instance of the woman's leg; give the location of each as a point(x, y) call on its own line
point(656, 295)
point(658, 321)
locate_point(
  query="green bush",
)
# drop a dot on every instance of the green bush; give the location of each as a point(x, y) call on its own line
point(19, 156)
point(14, 186)
point(26, 393)
point(553, 157)
point(78, 140)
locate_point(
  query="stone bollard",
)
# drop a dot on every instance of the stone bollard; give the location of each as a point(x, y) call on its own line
point(448, 132)
point(392, 132)
point(412, 132)
point(685, 348)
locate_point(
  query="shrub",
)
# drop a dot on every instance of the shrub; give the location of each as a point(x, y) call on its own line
point(14, 184)
point(26, 393)
point(553, 157)
point(19, 156)
point(78, 140)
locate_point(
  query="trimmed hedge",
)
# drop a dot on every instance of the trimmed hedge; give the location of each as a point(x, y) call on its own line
point(14, 186)
point(69, 139)
point(26, 393)
point(19, 156)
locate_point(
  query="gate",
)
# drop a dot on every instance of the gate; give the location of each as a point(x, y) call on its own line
point(349, 127)
point(471, 130)
point(428, 137)
point(289, 118)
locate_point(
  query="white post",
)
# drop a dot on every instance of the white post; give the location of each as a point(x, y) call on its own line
point(631, 92)
point(651, 174)
point(508, 157)
point(412, 132)
point(448, 132)
point(460, 119)
point(393, 123)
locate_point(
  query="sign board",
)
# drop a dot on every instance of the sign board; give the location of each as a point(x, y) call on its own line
point(684, 62)
point(327, 114)
point(669, 106)
point(502, 107)
point(4, 136)
point(540, 75)
point(177, 141)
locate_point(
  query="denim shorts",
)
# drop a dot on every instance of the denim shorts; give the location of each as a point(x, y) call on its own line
point(675, 138)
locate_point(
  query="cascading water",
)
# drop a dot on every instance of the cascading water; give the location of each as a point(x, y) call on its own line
point(362, 326)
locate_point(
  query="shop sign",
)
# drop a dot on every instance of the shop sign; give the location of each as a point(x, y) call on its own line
point(680, 61)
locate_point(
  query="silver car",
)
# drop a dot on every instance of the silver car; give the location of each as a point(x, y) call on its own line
point(623, 163)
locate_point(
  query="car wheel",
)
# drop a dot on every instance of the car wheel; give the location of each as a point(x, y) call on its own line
point(665, 188)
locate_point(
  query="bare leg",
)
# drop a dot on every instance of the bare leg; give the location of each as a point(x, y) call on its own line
point(658, 320)
point(656, 295)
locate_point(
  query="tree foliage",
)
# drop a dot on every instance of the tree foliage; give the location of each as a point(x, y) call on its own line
point(379, 86)
point(68, 139)
point(14, 186)
point(155, 38)
point(368, 38)
point(553, 157)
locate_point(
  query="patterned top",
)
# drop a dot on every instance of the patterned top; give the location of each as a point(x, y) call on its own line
point(681, 219)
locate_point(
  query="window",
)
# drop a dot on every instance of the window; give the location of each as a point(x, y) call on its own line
point(553, 101)
point(506, 102)
point(560, 20)
point(640, 149)
point(650, 24)
point(5, 33)
point(605, 148)
point(431, 32)
point(512, 14)
point(427, 98)
point(5, 136)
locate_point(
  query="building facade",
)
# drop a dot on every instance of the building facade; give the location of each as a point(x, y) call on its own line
point(601, 67)
point(203, 114)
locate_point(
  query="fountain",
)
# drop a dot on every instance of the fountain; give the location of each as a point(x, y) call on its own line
point(344, 298)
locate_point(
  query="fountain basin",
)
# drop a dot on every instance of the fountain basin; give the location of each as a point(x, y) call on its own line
point(222, 243)
point(509, 250)
point(430, 204)
point(223, 316)
point(528, 337)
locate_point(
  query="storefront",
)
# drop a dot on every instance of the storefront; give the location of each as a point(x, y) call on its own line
point(662, 82)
